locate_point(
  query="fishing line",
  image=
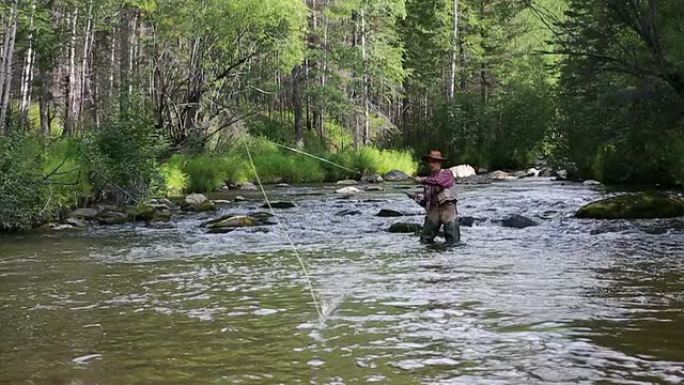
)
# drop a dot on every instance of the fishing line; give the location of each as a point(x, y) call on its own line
point(321, 317)
point(317, 157)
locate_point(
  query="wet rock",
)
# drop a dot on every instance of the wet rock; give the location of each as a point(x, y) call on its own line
point(395, 176)
point(591, 182)
point(151, 213)
point(239, 198)
point(372, 178)
point(561, 174)
point(389, 213)
point(279, 205)
point(261, 215)
point(475, 179)
point(374, 188)
point(634, 206)
point(463, 171)
point(518, 222)
point(195, 199)
point(221, 202)
point(84, 213)
point(546, 173)
point(533, 172)
point(204, 206)
point(347, 182)
point(500, 176)
point(469, 221)
point(75, 222)
point(520, 174)
point(405, 228)
point(232, 222)
point(345, 213)
point(282, 185)
point(348, 191)
point(482, 171)
point(248, 186)
point(112, 218)
point(59, 227)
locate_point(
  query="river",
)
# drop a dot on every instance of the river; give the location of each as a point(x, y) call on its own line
point(567, 302)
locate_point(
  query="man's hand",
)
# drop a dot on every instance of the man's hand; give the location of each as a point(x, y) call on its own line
point(420, 179)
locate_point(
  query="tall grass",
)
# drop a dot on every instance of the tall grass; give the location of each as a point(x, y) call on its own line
point(206, 173)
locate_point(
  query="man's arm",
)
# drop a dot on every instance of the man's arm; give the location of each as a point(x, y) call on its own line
point(443, 179)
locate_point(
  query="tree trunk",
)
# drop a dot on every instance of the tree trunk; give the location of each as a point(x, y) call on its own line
point(70, 109)
point(27, 76)
point(366, 81)
point(483, 65)
point(454, 55)
point(297, 105)
point(6, 67)
point(44, 101)
point(124, 48)
point(84, 62)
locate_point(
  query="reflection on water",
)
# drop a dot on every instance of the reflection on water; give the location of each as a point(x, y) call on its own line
point(568, 301)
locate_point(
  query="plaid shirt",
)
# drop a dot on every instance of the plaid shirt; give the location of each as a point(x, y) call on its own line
point(434, 184)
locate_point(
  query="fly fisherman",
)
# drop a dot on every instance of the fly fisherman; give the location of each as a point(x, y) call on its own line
point(439, 200)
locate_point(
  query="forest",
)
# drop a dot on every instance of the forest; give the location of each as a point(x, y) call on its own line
point(123, 100)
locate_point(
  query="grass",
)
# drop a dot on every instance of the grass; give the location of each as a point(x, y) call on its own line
point(207, 172)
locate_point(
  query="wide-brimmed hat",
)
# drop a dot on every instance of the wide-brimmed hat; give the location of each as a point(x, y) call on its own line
point(435, 155)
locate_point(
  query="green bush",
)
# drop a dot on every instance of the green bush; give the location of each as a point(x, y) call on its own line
point(23, 192)
point(176, 180)
point(121, 160)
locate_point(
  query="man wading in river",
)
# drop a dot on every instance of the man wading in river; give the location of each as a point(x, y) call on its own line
point(440, 201)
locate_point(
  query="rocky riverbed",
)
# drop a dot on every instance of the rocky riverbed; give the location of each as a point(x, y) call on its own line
point(534, 294)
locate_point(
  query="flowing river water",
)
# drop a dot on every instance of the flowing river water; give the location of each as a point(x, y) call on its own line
point(567, 302)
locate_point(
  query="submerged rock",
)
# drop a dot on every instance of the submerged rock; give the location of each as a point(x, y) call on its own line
point(405, 228)
point(349, 212)
point(476, 179)
point(395, 176)
point(469, 221)
point(516, 221)
point(634, 206)
point(279, 205)
point(463, 171)
point(389, 213)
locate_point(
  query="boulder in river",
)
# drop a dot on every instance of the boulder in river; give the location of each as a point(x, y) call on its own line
point(195, 199)
point(109, 217)
point(389, 213)
point(396, 176)
point(561, 174)
point(469, 221)
point(646, 205)
point(372, 178)
point(591, 182)
point(516, 221)
point(347, 182)
point(463, 171)
point(84, 213)
point(499, 175)
point(520, 174)
point(279, 205)
point(405, 228)
point(231, 223)
point(349, 190)
point(248, 186)
point(533, 172)
point(374, 188)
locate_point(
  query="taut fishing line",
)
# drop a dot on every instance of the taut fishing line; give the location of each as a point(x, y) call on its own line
point(321, 316)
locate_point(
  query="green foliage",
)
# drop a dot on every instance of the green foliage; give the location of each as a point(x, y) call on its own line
point(176, 180)
point(22, 190)
point(121, 159)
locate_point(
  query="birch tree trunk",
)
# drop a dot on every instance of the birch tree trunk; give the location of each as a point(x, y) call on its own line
point(84, 62)
point(6, 67)
point(454, 55)
point(366, 81)
point(27, 75)
point(297, 105)
point(70, 108)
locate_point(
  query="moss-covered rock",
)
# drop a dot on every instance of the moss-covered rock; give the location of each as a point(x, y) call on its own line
point(634, 206)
